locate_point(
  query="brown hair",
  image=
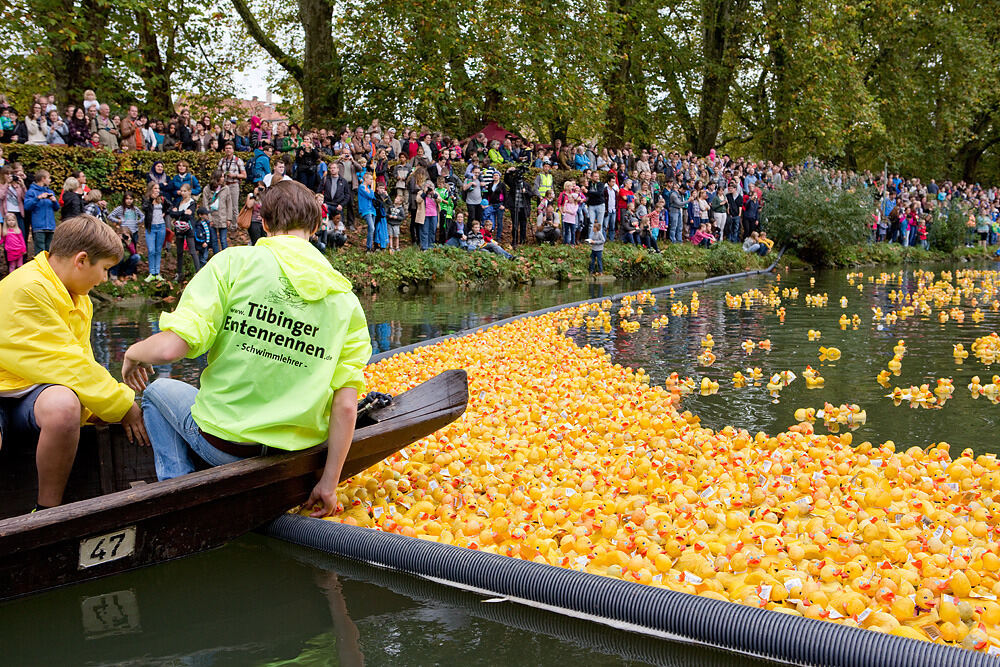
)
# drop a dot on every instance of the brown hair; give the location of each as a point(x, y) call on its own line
point(85, 233)
point(92, 196)
point(289, 205)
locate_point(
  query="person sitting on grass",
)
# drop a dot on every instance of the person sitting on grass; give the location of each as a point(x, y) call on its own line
point(51, 384)
point(702, 237)
point(753, 244)
point(491, 245)
point(279, 308)
point(125, 269)
point(456, 232)
point(762, 237)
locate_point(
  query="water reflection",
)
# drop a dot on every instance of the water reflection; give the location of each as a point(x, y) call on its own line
point(394, 319)
point(262, 602)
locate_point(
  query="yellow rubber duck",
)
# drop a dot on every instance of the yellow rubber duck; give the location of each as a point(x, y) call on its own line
point(900, 349)
point(739, 380)
point(829, 353)
point(706, 358)
point(707, 341)
point(883, 378)
point(813, 334)
point(775, 384)
point(754, 373)
point(843, 302)
point(944, 388)
point(748, 346)
point(895, 365)
point(959, 352)
point(975, 387)
point(805, 414)
point(813, 379)
point(844, 321)
point(765, 344)
point(708, 387)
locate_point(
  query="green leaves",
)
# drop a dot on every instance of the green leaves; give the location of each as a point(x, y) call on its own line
point(814, 219)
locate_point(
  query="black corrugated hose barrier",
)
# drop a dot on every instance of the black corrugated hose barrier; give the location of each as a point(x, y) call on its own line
point(622, 604)
point(626, 605)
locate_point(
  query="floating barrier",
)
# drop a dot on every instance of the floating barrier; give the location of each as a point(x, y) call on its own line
point(624, 605)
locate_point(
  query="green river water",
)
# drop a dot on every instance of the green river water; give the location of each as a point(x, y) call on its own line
point(261, 602)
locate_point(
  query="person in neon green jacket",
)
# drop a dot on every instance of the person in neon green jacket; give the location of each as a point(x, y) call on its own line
point(287, 343)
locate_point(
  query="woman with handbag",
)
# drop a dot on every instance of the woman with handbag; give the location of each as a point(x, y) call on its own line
point(249, 217)
point(154, 211)
point(182, 215)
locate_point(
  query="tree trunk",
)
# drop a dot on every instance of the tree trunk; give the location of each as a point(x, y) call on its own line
point(720, 60)
point(321, 74)
point(780, 139)
point(75, 70)
point(154, 69)
point(617, 80)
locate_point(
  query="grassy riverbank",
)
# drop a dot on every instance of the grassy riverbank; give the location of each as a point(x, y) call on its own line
point(446, 266)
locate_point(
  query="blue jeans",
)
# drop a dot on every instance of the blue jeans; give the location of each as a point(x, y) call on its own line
point(126, 267)
point(43, 239)
point(569, 233)
point(370, 241)
point(597, 261)
point(496, 249)
point(609, 224)
point(218, 242)
point(154, 246)
point(457, 243)
point(595, 214)
point(428, 232)
point(166, 409)
point(498, 223)
point(674, 235)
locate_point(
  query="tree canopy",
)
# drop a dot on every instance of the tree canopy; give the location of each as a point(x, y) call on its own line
point(915, 85)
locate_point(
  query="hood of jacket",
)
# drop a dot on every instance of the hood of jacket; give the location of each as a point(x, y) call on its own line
point(305, 267)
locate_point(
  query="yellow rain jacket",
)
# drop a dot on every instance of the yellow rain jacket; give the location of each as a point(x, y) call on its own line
point(283, 331)
point(45, 339)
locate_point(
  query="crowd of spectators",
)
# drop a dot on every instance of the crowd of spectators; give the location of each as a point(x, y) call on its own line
point(442, 190)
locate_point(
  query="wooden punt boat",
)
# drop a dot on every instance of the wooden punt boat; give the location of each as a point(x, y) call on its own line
point(117, 517)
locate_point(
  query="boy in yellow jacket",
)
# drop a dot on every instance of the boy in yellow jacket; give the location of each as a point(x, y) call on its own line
point(50, 383)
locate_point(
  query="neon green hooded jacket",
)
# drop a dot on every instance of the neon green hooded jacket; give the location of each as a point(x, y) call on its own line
point(283, 332)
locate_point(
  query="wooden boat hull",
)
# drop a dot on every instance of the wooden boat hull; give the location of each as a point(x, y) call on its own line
point(154, 522)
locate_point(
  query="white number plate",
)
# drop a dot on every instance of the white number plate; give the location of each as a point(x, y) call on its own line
point(106, 548)
point(110, 614)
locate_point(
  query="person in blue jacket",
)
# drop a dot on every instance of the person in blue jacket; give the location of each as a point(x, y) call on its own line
point(42, 203)
point(366, 207)
point(261, 164)
point(182, 177)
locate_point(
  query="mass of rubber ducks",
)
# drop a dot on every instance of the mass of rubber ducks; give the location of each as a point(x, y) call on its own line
point(569, 459)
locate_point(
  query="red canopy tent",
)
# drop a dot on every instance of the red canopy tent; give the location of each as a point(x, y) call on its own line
point(493, 130)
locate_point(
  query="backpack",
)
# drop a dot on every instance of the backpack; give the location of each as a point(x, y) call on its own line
point(257, 170)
